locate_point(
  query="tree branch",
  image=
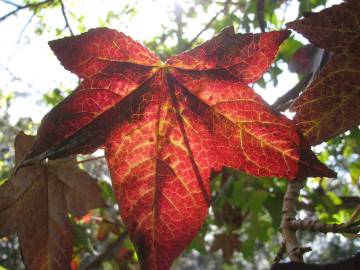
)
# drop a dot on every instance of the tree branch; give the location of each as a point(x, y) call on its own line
point(288, 216)
point(10, 3)
point(351, 226)
point(67, 25)
point(317, 226)
point(18, 8)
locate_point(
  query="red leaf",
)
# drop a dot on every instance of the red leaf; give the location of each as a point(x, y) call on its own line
point(331, 105)
point(35, 203)
point(166, 127)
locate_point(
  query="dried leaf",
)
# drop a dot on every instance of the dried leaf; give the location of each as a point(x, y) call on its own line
point(35, 203)
point(331, 105)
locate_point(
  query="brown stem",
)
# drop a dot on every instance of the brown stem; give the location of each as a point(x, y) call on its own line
point(290, 201)
point(351, 226)
point(317, 226)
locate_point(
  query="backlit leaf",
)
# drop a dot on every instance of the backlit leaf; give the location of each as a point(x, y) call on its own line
point(166, 126)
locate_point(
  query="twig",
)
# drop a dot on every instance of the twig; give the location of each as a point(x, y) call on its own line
point(18, 8)
point(10, 3)
point(67, 25)
point(16, 78)
point(189, 45)
point(260, 9)
point(108, 253)
point(24, 28)
point(351, 226)
point(280, 253)
point(293, 248)
point(317, 226)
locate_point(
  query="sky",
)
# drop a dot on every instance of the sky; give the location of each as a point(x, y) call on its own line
point(27, 56)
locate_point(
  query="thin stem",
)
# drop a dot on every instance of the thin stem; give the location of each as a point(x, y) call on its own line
point(351, 226)
point(280, 253)
point(189, 45)
point(67, 25)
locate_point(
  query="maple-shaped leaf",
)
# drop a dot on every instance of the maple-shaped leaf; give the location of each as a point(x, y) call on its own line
point(35, 203)
point(331, 104)
point(166, 126)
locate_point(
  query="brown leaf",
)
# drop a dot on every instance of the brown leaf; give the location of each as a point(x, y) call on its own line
point(35, 203)
point(228, 243)
point(331, 104)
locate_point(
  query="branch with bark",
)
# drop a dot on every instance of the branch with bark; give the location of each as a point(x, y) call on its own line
point(290, 225)
point(292, 246)
point(351, 226)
